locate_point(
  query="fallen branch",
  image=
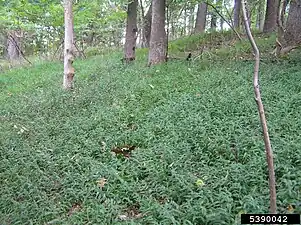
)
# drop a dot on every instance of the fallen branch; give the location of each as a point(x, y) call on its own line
point(232, 28)
point(267, 143)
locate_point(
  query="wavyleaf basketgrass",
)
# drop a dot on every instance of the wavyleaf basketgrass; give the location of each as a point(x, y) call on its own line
point(190, 122)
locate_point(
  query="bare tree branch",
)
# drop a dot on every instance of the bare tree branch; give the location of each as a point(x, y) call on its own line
point(81, 52)
point(267, 143)
point(180, 13)
point(229, 14)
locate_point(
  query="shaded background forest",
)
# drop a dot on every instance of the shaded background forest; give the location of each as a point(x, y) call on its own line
point(35, 28)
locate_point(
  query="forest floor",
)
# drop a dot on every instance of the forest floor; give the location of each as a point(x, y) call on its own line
point(178, 143)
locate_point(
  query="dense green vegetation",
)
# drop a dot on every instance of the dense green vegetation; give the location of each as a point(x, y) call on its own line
point(199, 158)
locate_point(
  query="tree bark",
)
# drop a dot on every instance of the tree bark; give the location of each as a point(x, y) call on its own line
point(69, 72)
point(292, 34)
point(147, 27)
point(200, 24)
point(236, 14)
point(270, 22)
point(266, 137)
point(131, 31)
point(13, 46)
point(221, 24)
point(158, 40)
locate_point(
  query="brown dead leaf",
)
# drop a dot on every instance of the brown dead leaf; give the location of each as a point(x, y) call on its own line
point(290, 209)
point(75, 208)
point(124, 150)
point(101, 182)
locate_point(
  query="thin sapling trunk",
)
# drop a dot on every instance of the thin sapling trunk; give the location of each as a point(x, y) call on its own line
point(267, 143)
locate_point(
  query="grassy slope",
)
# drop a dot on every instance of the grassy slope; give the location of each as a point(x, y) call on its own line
point(192, 123)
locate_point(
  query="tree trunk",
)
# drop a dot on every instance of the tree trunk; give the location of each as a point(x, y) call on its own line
point(4, 52)
point(69, 46)
point(158, 40)
point(191, 20)
point(131, 31)
point(248, 12)
point(260, 15)
point(221, 24)
point(282, 11)
point(13, 46)
point(236, 14)
point(292, 34)
point(213, 21)
point(200, 24)
point(147, 26)
point(184, 33)
point(249, 15)
point(141, 36)
point(173, 30)
point(270, 22)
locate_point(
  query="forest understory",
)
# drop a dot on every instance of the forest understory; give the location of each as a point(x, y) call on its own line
point(176, 143)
